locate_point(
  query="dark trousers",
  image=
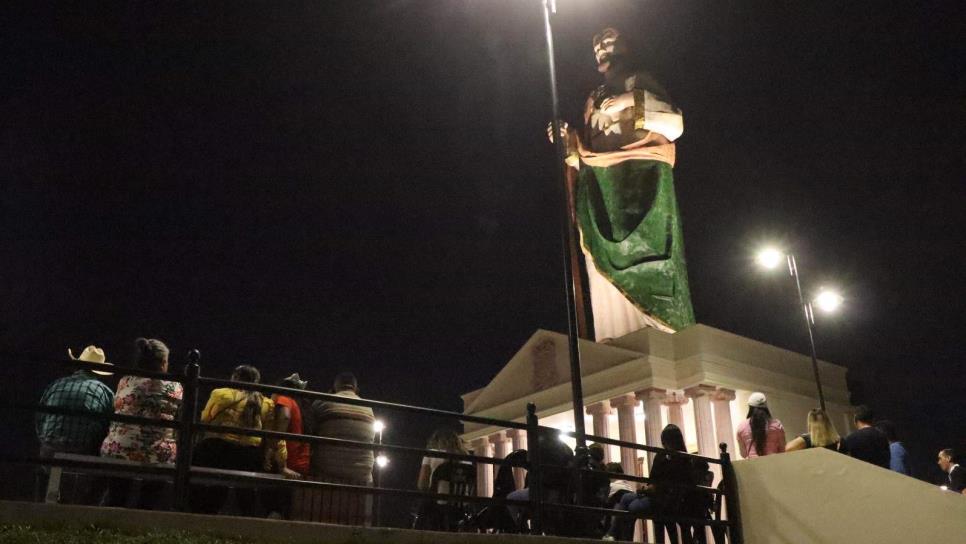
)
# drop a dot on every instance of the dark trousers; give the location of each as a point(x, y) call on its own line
point(218, 453)
point(135, 493)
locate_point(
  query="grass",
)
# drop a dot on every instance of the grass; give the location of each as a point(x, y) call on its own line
point(23, 534)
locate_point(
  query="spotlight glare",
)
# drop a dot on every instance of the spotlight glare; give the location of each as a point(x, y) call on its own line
point(382, 461)
point(378, 426)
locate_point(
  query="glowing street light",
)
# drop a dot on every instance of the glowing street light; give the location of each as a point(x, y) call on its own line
point(382, 461)
point(769, 258)
point(827, 300)
point(378, 426)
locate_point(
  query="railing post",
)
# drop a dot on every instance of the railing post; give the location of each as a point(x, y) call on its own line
point(732, 507)
point(189, 407)
point(534, 470)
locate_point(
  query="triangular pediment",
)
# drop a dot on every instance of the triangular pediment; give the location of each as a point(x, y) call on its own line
point(542, 363)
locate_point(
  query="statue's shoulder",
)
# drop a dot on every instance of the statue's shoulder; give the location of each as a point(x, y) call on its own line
point(646, 81)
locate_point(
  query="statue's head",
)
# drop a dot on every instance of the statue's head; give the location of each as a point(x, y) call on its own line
point(609, 48)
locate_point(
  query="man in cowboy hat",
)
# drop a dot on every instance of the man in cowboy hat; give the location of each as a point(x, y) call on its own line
point(81, 390)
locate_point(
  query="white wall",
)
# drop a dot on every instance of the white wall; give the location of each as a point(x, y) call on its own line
point(818, 496)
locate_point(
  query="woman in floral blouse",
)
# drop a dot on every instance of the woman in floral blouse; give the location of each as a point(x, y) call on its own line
point(143, 397)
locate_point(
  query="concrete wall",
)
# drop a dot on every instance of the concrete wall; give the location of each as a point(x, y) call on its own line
point(821, 497)
point(261, 531)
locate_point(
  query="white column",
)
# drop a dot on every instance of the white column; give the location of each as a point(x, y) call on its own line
point(675, 402)
point(518, 439)
point(627, 430)
point(724, 428)
point(703, 420)
point(652, 399)
point(484, 471)
point(599, 413)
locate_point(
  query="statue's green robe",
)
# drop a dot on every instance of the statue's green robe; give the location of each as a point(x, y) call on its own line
point(626, 206)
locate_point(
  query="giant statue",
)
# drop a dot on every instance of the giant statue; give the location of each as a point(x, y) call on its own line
point(625, 208)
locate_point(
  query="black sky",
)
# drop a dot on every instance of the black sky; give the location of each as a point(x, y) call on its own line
point(321, 186)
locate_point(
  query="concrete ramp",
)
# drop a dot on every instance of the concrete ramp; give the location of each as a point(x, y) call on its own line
point(821, 497)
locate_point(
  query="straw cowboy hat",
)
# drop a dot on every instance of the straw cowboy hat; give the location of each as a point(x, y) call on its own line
point(92, 354)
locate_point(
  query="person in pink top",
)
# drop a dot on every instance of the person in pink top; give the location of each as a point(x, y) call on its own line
point(760, 434)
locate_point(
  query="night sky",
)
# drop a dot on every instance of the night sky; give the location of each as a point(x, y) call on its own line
point(326, 186)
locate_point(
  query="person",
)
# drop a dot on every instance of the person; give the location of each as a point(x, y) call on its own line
point(240, 408)
point(666, 495)
point(82, 390)
point(556, 484)
point(617, 487)
point(339, 464)
point(626, 210)
point(143, 397)
point(868, 443)
point(955, 474)
point(821, 434)
point(443, 440)
point(288, 418)
point(60, 433)
point(898, 456)
point(294, 464)
point(760, 434)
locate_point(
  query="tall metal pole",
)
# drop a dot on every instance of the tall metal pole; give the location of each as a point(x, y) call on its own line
point(549, 6)
point(807, 313)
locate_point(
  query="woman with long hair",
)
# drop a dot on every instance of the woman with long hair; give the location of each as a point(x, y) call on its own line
point(240, 408)
point(143, 397)
point(760, 434)
point(447, 441)
point(444, 440)
point(665, 495)
point(821, 434)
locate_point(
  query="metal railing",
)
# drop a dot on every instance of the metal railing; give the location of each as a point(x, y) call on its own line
point(189, 429)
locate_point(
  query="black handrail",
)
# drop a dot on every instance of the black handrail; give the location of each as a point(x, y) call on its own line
point(188, 427)
point(120, 418)
point(332, 397)
point(634, 445)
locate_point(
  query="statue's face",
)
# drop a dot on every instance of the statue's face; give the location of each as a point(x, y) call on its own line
point(605, 48)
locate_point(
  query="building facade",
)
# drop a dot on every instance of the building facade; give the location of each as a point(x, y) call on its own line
point(698, 378)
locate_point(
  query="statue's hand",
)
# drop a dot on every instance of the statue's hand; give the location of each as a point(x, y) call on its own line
point(615, 104)
point(564, 132)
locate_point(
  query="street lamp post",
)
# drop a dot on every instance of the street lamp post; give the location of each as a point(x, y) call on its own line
point(549, 7)
point(826, 300)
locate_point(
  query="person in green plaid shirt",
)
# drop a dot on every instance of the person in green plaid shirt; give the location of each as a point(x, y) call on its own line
point(82, 390)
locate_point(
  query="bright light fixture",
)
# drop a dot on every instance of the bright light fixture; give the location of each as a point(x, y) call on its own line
point(378, 426)
point(382, 461)
point(769, 258)
point(828, 300)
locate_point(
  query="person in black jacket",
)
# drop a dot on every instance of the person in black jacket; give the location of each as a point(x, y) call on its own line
point(667, 495)
point(868, 443)
point(955, 474)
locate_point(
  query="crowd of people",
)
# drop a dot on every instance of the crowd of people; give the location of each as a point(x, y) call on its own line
point(671, 491)
point(161, 399)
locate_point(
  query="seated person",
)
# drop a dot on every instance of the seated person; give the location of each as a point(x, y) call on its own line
point(59, 433)
point(143, 397)
point(664, 496)
point(444, 440)
point(556, 481)
point(241, 408)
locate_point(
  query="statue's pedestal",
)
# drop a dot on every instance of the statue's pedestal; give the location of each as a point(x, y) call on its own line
point(699, 378)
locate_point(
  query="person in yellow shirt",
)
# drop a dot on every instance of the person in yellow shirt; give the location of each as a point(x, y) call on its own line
point(240, 408)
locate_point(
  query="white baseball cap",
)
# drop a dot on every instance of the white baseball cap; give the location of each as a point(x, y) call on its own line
point(758, 400)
